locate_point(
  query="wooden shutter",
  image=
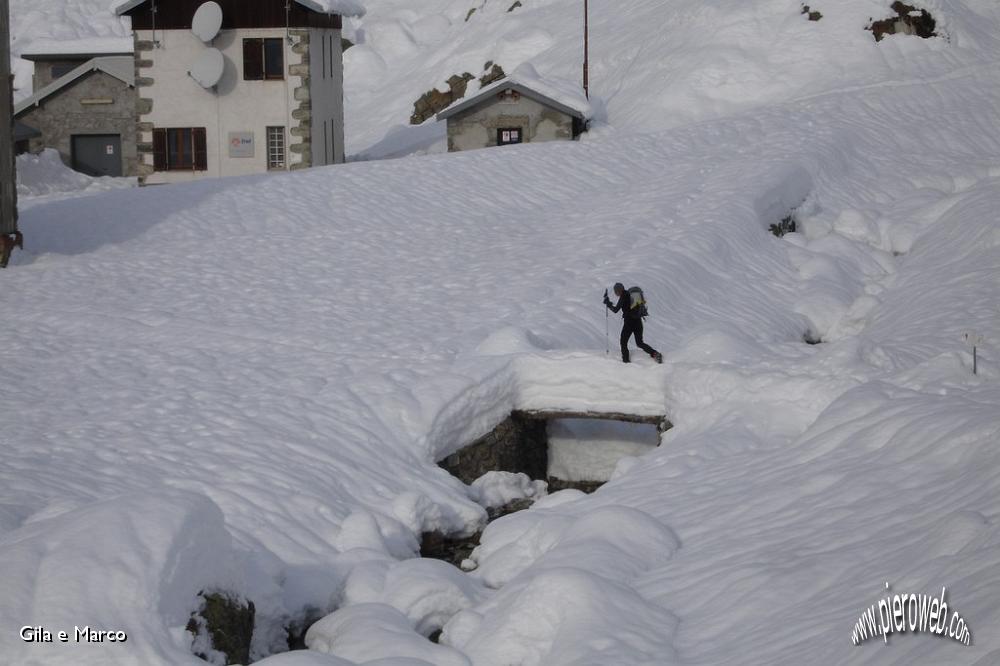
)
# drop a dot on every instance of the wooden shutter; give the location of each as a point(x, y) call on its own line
point(200, 149)
point(253, 59)
point(160, 150)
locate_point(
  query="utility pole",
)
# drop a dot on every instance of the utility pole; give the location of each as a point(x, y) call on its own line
point(586, 48)
point(10, 237)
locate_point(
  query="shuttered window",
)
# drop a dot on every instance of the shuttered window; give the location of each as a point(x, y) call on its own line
point(253, 59)
point(180, 149)
point(263, 59)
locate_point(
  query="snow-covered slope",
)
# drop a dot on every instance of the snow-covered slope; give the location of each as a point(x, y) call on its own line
point(245, 384)
point(655, 64)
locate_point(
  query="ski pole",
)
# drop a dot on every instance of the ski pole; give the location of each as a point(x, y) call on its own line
point(607, 330)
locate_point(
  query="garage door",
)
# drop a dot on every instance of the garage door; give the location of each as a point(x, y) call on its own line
point(98, 154)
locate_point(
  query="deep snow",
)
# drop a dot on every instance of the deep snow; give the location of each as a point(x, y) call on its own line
point(245, 384)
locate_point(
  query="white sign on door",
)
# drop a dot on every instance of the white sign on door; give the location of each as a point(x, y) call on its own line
point(110, 150)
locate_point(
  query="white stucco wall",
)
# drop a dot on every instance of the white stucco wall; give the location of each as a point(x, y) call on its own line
point(235, 105)
point(326, 62)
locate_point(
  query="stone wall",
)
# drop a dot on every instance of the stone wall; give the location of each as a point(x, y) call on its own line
point(477, 127)
point(301, 133)
point(521, 444)
point(143, 107)
point(64, 114)
point(516, 445)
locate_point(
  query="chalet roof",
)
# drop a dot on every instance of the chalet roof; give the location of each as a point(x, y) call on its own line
point(71, 49)
point(560, 95)
point(120, 67)
point(340, 7)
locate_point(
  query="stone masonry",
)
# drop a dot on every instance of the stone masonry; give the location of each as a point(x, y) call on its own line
point(301, 143)
point(64, 114)
point(516, 445)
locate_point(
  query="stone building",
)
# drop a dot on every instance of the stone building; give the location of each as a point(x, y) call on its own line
point(86, 113)
point(520, 109)
point(258, 88)
point(10, 236)
point(53, 58)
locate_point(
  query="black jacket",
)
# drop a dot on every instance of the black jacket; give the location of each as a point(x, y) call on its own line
point(625, 306)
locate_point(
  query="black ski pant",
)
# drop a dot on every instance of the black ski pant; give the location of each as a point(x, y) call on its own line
point(634, 327)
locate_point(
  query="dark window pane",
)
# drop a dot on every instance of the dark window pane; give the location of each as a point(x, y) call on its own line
point(62, 69)
point(274, 58)
point(509, 135)
point(179, 149)
point(253, 59)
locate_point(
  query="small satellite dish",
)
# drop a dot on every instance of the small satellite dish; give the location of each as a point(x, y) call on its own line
point(208, 69)
point(207, 21)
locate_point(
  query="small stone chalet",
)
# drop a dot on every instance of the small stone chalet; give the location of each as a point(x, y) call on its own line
point(83, 104)
point(10, 236)
point(262, 93)
point(523, 108)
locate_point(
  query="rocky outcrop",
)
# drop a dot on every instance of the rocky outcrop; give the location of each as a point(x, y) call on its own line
point(908, 21)
point(434, 101)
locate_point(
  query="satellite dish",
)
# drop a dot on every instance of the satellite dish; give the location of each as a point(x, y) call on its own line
point(208, 69)
point(207, 21)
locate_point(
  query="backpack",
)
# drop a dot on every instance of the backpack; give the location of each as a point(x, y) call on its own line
point(638, 301)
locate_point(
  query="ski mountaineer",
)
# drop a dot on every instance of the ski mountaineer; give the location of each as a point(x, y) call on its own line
point(632, 323)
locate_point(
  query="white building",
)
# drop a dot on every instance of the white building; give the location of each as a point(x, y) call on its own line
point(259, 88)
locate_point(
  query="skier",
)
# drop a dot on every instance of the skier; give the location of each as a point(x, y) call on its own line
point(632, 322)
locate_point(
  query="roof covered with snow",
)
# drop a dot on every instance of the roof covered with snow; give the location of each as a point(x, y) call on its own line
point(341, 7)
point(45, 49)
point(561, 95)
point(120, 67)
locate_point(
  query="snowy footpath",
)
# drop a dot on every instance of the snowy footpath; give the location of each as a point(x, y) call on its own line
point(245, 385)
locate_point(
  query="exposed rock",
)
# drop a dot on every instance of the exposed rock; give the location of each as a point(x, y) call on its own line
point(515, 6)
point(812, 15)
point(227, 623)
point(908, 21)
point(434, 101)
point(345, 43)
point(469, 15)
point(588, 487)
point(296, 630)
point(458, 549)
point(493, 73)
point(788, 225)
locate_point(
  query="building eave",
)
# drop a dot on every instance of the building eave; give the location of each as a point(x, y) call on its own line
point(501, 86)
point(348, 8)
point(125, 73)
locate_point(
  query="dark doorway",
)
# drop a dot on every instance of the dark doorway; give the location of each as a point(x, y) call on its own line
point(507, 136)
point(98, 154)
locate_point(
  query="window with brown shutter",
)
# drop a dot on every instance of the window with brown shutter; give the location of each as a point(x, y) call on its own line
point(263, 59)
point(200, 149)
point(159, 150)
point(253, 59)
point(180, 149)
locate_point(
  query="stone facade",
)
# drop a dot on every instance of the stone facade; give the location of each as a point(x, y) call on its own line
point(521, 444)
point(477, 127)
point(516, 445)
point(301, 134)
point(97, 103)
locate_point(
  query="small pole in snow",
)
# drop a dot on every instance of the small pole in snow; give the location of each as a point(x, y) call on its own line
point(586, 48)
point(975, 340)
